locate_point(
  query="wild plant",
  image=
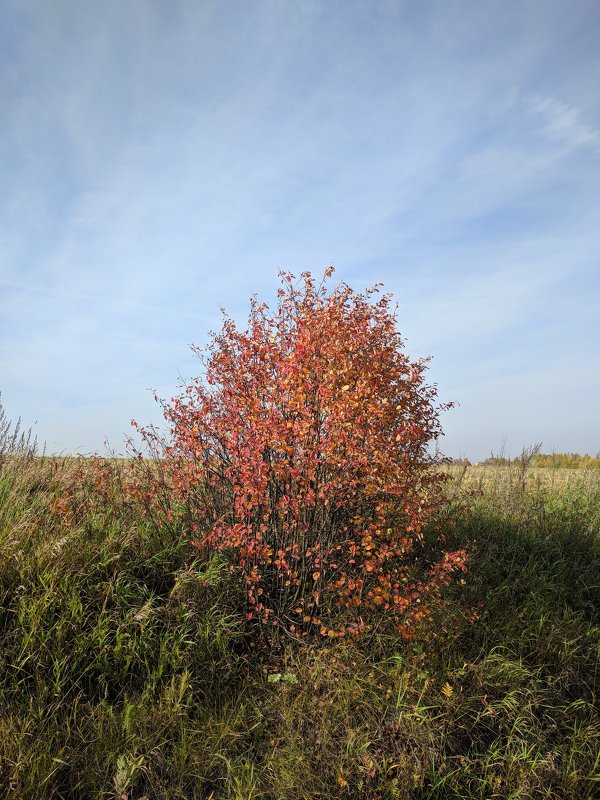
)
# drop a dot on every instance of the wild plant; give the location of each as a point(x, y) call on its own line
point(303, 451)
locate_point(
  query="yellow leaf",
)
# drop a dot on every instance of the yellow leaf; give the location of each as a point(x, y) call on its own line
point(447, 690)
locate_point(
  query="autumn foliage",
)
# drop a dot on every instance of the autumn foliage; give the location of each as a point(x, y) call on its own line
point(303, 452)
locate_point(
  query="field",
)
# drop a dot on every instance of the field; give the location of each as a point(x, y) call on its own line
point(128, 671)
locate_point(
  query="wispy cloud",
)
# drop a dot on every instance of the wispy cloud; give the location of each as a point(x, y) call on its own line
point(564, 123)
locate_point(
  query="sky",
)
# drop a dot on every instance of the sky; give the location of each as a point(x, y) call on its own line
point(159, 161)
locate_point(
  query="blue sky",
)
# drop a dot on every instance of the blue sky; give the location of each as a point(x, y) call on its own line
point(161, 160)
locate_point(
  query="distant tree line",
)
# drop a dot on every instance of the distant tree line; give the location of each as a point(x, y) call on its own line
point(564, 460)
point(569, 460)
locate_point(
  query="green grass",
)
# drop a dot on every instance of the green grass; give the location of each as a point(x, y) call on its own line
point(127, 670)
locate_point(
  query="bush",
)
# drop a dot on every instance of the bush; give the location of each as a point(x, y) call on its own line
point(304, 453)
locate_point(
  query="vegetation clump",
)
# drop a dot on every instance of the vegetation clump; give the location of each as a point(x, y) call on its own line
point(303, 452)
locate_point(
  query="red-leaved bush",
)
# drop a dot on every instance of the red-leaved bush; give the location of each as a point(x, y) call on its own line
point(303, 452)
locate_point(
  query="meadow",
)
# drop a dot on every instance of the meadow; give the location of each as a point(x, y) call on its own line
point(128, 669)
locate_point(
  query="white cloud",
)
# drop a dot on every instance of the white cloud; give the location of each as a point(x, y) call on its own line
point(564, 124)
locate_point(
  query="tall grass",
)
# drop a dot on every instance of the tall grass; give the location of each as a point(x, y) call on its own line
point(128, 670)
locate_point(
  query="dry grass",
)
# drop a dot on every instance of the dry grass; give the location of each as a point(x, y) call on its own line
point(502, 479)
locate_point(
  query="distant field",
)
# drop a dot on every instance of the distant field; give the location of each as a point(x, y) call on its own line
point(498, 478)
